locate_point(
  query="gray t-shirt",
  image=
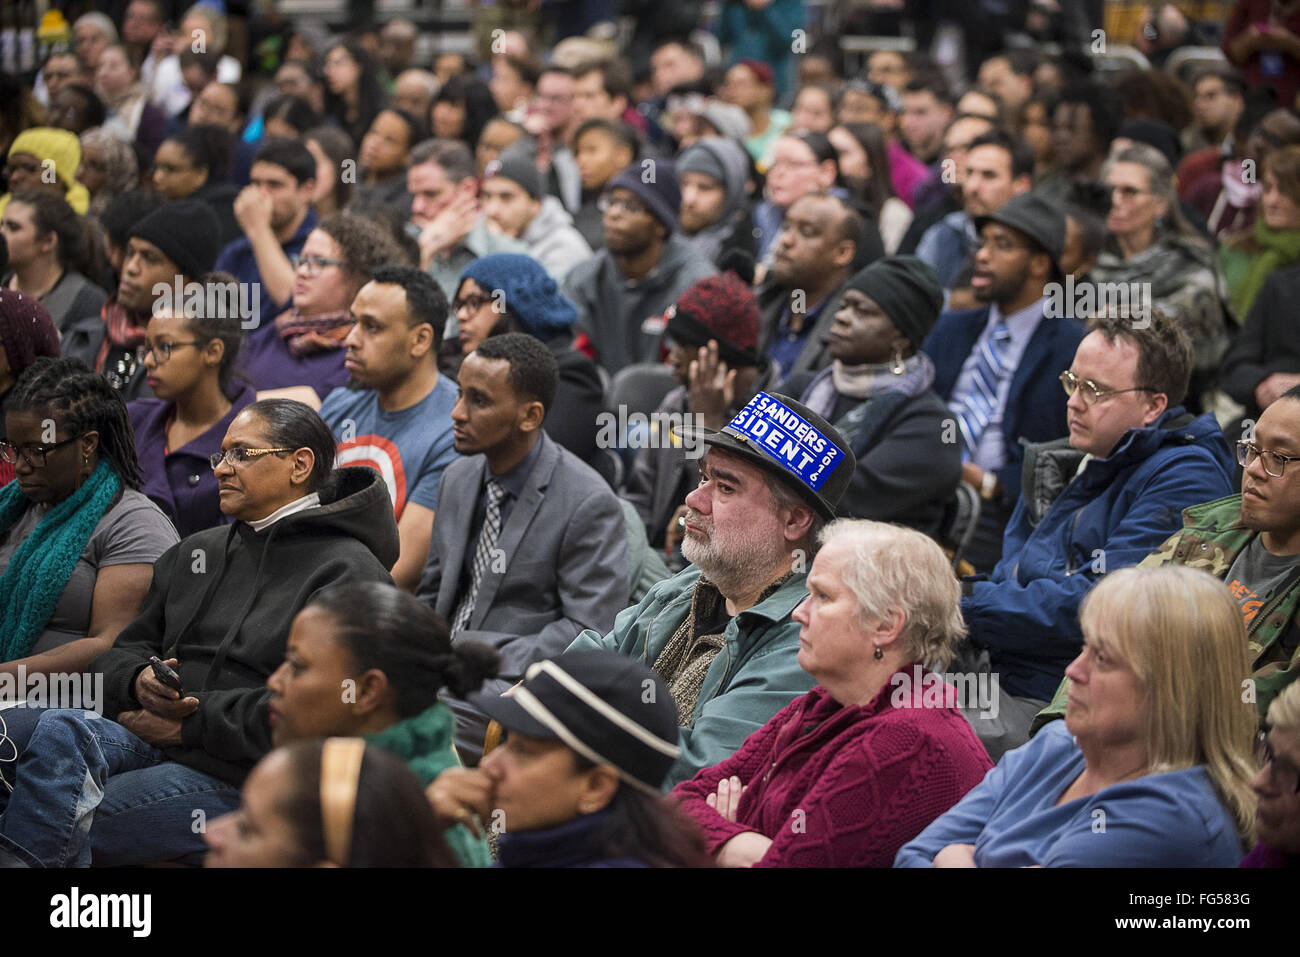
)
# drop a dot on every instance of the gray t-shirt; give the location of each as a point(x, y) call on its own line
point(1256, 576)
point(134, 531)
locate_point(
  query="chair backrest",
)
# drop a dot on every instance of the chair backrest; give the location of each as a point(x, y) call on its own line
point(960, 519)
point(640, 387)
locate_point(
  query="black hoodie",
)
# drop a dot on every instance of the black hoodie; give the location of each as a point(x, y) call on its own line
point(222, 601)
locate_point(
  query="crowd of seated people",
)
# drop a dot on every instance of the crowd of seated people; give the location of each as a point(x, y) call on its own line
point(648, 452)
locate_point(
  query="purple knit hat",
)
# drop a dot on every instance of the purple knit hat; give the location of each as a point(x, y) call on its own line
point(26, 330)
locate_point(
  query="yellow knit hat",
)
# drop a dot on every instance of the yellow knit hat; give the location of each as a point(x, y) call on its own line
point(64, 148)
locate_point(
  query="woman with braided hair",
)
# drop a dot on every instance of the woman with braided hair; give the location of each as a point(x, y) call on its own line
point(77, 538)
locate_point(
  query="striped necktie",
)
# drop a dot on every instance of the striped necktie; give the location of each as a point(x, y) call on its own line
point(975, 407)
point(487, 540)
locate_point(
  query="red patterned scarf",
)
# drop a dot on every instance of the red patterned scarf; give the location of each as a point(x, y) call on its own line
point(308, 335)
point(122, 332)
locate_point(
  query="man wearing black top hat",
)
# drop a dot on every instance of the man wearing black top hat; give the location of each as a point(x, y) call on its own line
point(997, 366)
point(720, 633)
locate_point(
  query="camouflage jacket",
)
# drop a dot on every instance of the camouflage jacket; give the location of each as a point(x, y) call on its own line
point(1211, 539)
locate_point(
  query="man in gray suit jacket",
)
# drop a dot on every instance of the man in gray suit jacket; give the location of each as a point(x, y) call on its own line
point(529, 544)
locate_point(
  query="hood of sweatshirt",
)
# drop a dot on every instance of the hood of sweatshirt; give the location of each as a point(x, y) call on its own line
point(550, 218)
point(354, 501)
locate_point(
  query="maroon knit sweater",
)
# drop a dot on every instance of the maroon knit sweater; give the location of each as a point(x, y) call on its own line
point(836, 786)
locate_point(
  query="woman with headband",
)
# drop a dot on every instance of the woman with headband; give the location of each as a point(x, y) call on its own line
point(589, 738)
point(335, 803)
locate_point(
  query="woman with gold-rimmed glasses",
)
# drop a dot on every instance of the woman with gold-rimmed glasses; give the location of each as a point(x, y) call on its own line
point(218, 614)
point(1277, 786)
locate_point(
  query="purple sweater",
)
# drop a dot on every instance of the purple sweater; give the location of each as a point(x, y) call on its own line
point(181, 482)
point(267, 361)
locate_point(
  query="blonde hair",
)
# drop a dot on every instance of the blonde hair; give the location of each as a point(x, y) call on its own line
point(1284, 712)
point(216, 35)
point(1181, 632)
point(891, 568)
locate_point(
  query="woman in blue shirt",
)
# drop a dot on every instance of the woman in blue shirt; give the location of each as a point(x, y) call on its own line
point(1151, 767)
point(189, 359)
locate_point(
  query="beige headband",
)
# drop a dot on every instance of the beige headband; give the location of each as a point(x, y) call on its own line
point(340, 774)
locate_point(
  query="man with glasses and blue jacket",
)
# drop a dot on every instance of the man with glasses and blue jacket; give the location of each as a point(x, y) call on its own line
point(1102, 498)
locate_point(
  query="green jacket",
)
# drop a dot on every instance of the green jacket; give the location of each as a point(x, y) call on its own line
point(424, 743)
point(754, 676)
point(1211, 539)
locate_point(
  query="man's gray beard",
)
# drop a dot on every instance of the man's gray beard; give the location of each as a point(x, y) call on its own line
point(733, 577)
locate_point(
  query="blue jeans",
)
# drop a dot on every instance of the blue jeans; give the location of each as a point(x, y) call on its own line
point(85, 786)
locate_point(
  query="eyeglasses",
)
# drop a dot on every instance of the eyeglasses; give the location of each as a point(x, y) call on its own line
point(630, 206)
point(163, 350)
point(314, 264)
point(1093, 393)
point(33, 455)
point(240, 456)
point(1247, 452)
point(1287, 777)
point(473, 302)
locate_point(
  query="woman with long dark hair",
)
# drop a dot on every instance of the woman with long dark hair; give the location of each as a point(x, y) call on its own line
point(353, 95)
point(335, 803)
point(461, 109)
point(589, 739)
point(865, 173)
point(194, 163)
point(189, 361)
point(394, 653)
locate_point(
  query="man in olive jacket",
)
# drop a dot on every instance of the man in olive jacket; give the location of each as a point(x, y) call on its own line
point(720, 633)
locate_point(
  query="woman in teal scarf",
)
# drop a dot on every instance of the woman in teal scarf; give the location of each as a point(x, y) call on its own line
point(368, 660)
point(1246, 258)
point(77, 539)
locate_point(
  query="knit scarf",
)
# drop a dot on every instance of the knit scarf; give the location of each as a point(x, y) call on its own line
point(867, 381)
point(308, 335)
point(39, 570)
point(1279, 248)
point(122, 332)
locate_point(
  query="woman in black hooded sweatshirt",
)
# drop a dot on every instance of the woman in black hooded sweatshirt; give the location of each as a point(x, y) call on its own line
point(218, 612)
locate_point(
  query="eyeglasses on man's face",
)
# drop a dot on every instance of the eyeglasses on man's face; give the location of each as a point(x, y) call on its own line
point(240, 456)
point(624, 203)
point(33, 455)
point(1092, 392)
point(1274, 462)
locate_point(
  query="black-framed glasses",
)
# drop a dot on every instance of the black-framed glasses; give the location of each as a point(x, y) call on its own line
point(1287, 777)
point(314, 264)
point(1274, 462)
point(632, 207)
point(33, 455)
point(240, 456)
point(163, 350)
point(473, 302)
point(1092, 392)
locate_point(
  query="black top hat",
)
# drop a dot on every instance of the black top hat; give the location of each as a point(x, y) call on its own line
point(792, 441)
point(607, 707)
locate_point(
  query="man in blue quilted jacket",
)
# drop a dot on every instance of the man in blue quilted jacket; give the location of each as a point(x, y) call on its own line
point(1102, 498)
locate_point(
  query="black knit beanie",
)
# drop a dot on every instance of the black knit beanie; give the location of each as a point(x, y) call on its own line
point(187, 232)
point(907, 290)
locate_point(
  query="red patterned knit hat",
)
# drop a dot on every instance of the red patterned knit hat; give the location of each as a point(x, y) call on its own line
point(720, 307)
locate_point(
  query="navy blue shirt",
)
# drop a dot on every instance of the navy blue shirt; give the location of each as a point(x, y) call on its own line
point(238, 260)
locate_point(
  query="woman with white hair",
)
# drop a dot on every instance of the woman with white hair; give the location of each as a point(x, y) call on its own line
point(1151, 766)
point(848, 773)
point(1277, 786)
point(1151, 246)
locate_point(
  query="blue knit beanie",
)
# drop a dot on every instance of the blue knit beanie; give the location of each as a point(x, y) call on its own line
point(531, 295)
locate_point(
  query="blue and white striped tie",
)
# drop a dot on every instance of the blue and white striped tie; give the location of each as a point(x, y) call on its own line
point(974, 409)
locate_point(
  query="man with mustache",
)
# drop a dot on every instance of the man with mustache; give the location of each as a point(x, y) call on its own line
point(720, 633)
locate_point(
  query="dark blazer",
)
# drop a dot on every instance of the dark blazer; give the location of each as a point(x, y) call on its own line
point(816, 353)
point(566, 569)
point(1036, 403)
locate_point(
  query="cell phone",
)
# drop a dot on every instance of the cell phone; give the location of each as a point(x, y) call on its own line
point(163, 672)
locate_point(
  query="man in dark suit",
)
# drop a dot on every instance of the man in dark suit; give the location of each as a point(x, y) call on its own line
point(532, 548)
point(997, 367)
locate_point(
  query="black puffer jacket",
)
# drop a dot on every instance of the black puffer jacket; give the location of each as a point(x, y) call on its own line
point(222, 601)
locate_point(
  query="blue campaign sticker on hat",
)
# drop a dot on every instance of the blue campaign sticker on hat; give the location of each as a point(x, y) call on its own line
point(788, 439)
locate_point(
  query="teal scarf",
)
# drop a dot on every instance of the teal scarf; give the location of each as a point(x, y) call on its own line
point(39, 570)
